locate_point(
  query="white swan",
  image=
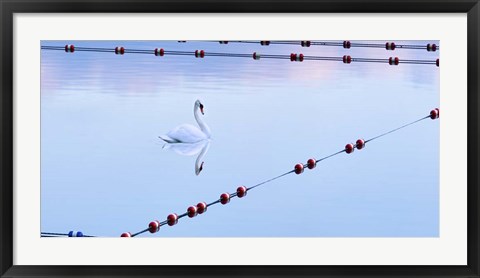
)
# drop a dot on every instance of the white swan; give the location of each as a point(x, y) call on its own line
point(191, 149)
point(187, 133)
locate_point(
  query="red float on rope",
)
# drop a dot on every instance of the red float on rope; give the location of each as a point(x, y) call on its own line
point(349, 148)
point(69, 48)
point(264, 42)
point(305, 43)
point(192, 211)
point(346, 44)
point(293, 57)
point(256, 56)
point(298, 168)
point(390, 46)
point(119, 50)
point(437, 62)
point(241, 191)
point(199, 54)
point(360, 144)
point(431, 47)
point(347, 59)
point(435, 114)
point(126, 235)
point(223, 42)
point(225, 198)
point(393, 61)
point(154, 226)
point(159, 52)
point(172, 219)
point(311, 163)
point(201, 207)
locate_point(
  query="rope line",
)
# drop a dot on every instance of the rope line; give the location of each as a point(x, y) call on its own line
point(344, 44)
point(71, 234)
point(272, 179)
point(393, 130)
point(141, 232)
point(54, 234)
point(294, 57)
point(192, 211)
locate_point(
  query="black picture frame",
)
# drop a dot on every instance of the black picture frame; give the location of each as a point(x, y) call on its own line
point(9, 7)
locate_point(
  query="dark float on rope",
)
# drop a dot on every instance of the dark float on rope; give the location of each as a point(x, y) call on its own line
point(225, 198)
point(172, 219)
point(154, 226)
point(69, 48)
point(119, 50)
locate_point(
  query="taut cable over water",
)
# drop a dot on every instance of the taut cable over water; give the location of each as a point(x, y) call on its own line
point(293, 57)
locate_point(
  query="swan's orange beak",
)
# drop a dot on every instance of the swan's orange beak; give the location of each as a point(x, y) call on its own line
point(201, 109)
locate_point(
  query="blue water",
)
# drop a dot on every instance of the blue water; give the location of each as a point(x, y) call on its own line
point(104, 170)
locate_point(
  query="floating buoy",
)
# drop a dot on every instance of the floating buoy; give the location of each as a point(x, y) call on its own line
point(192, 211)
point(154, 226)
point(225, 198)
point(431, 47)
point(172, 219)
point(311, 163)
point(199, 54)
point(390, 46)
point(347, 59)
point(256, 56)
point(434, 114)
point(298, 168)
point(293, 57)
point(305, 43)
point(119, 50)
point(159, 52)
point(126, 235)
point(241, 191)
point(264, 42)
point(201, 207)
point(349, 148)
point(346, 44)
point(437, 62)
point(223, 42)
point(182, 41)
point(69, 48)
point(75, 234)
point(360, 144)
point(393, 61)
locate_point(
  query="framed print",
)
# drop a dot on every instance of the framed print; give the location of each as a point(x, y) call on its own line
point(257, 139)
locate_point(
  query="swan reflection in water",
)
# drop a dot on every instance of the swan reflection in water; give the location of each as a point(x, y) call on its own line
point(187, 139)
point(191, 149)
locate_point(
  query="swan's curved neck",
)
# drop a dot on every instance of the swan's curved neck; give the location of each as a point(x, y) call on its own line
point(203, 126)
